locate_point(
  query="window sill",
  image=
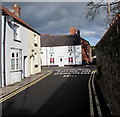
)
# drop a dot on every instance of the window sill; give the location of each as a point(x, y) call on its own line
point(17, 40)
point(16, 71)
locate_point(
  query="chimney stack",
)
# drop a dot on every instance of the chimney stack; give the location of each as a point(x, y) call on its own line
point(78, 33)
point(72, 30)
point(16, 9)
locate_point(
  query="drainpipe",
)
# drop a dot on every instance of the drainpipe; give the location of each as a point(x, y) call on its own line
point(4, 40)
point(0, 50)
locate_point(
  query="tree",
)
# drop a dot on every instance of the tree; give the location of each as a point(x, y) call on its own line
point(112, 9)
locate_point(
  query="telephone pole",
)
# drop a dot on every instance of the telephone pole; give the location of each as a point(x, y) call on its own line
point(109, 13)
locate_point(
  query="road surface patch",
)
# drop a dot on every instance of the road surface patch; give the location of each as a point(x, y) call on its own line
point(23, 88)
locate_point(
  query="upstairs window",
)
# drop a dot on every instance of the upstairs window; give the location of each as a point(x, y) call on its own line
point(51, 50)
point(16, 30)
point(35, 40)
point(69, 48)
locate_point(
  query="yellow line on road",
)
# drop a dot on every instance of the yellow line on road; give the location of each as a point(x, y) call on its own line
point(23, 88)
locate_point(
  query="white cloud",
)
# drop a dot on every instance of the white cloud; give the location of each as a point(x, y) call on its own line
point(57, 18)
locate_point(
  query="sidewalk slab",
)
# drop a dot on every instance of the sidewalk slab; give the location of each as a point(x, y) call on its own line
point(8, 89)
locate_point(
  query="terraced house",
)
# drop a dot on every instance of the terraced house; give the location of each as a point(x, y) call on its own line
point(20, 47)
point(65, 50)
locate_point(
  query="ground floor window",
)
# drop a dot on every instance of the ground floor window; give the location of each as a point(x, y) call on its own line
point(16, 59)
point(70, 59)
point(52, 60)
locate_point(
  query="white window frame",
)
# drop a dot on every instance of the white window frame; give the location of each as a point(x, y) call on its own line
point(53, 60)
point(17, 58)
point(35, 40)
point(70, 49)
point(51, 50)
point(70, 59)
point(16, 33)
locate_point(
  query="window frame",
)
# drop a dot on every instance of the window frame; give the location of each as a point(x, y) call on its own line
point(70, 59)
point(17, 66)
point(52, 60)
point(16, 33)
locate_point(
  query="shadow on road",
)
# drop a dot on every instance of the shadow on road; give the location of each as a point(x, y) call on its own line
point(71, 98)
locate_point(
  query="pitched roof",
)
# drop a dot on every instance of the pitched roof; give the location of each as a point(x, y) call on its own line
point(59, 40)
point(17, 18)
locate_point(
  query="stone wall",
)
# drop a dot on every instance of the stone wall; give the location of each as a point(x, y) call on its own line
point(108, 65)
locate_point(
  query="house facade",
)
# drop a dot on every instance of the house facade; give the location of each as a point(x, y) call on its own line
point(86, 52)
point(17, 45)
point(61, 50)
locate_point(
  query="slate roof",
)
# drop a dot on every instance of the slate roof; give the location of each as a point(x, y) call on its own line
point(59, 40)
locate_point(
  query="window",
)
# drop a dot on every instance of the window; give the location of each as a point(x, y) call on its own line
point(36, 60)
point(69, 48)
point(70, 59)
point(16, 58)
point(51, 50)
point(35, 40)
point(51, 60)
point(16, 33)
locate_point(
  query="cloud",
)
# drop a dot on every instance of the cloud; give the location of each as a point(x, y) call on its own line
point(57, 18)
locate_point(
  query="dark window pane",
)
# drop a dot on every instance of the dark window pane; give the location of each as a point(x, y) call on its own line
point(12, 54)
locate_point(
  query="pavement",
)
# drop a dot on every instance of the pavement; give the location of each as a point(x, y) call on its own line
point(13, 87)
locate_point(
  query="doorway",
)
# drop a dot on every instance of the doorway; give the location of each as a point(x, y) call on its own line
point(61, 61)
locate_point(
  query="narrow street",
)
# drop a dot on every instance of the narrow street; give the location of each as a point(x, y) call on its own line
point(64, 92)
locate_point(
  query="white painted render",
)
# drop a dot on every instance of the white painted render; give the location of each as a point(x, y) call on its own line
point(34, 52)
point(25, 46)
point(61, 52)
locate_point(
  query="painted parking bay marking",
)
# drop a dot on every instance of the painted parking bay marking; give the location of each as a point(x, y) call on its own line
point(23, 88)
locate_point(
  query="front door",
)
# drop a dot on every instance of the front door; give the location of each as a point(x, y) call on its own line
point(61, 61)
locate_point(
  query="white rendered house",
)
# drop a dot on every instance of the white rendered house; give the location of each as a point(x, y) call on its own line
point(60, 50)
point(16, 45)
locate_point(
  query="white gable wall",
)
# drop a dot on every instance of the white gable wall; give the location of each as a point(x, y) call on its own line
point(15, 76)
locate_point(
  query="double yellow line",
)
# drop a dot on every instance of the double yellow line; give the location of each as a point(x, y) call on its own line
point(23, 88)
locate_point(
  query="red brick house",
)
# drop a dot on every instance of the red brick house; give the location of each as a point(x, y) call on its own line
point(86, 52)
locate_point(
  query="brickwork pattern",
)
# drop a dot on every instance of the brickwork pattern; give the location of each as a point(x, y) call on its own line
point(108, 64)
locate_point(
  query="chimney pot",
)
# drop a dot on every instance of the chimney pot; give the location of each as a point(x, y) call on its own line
point(72, 30)
point(16, 9)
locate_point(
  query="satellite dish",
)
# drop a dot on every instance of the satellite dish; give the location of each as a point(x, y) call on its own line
point(11, 10)
point(9, 18)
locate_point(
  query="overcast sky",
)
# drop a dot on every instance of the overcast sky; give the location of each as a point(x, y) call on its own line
point(56, 18)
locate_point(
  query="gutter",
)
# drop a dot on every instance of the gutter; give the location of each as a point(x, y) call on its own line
point(4, 40)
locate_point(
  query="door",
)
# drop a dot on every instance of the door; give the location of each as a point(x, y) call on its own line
point(61, 61)
point(25, 66)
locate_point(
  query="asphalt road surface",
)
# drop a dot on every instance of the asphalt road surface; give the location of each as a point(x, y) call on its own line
point(64, 92)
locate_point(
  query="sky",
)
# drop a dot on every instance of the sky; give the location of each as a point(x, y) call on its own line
point(56, 18)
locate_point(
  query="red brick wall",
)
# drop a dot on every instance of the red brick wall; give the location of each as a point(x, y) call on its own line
point(86, 52)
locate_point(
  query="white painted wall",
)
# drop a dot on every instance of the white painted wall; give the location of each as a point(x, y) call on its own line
point(26, 45)
point(12, 77)
point(61, 52)
point(34, 52)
